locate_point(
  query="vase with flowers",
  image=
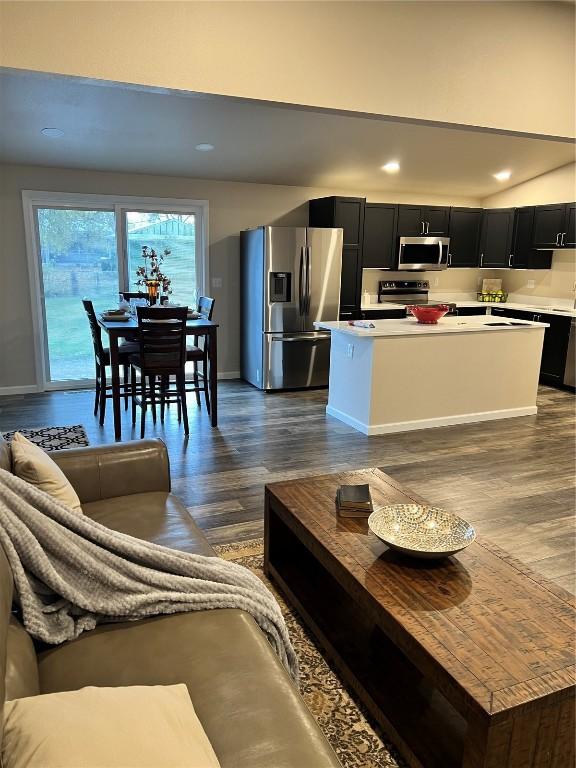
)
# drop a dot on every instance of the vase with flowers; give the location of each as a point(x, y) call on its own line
point(151, 276)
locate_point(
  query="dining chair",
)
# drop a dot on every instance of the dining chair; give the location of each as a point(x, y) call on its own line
point(161, 356)
point(199, 354)
point(102, 359)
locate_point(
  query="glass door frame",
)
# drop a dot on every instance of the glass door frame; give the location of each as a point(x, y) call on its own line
point(32, 200)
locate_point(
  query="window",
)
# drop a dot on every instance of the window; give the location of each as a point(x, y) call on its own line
point(90, 246)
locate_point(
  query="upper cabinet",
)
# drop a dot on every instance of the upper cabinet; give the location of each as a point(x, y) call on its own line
point(465, 230)
point(379, 251)
point(524, 255)
point(554, 226)
point(496, 239)
point(569, 239)
point(416, 220)
point(344, 212)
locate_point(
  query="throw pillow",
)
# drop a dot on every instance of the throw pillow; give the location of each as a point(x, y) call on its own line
point(35, 466)
point(134, 727)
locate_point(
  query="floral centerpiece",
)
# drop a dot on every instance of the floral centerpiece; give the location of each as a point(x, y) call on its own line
point(150, 274)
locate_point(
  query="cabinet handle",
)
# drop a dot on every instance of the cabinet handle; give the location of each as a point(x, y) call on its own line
point(449, 261)
point(423, 229)
point(510, 259)
point(427, 227)
point(562, 238)
point(558, 237)
point(481, 259)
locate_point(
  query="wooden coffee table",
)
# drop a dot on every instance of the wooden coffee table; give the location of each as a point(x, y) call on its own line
point(467, 661)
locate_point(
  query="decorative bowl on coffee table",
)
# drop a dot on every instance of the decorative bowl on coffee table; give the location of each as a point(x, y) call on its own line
point(421, 531)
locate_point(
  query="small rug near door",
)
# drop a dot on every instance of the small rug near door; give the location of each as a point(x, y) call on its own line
point(355, 741)
point(53, 438)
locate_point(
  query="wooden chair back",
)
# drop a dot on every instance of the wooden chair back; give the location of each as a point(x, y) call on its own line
point(162, 337)
point(95, 329)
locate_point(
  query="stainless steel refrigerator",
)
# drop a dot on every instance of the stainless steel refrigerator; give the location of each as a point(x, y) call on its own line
point(290, 278)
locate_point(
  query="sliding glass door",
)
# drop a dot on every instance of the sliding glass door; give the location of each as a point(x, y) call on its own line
point(77, 257)
point(162, 230)
point(91, 246)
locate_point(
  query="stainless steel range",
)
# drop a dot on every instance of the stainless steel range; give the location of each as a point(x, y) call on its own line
point(407, 292)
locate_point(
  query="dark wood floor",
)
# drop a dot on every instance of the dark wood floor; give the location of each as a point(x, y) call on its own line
point(513, 479)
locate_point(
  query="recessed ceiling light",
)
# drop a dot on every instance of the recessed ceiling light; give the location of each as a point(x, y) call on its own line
point(502, 175)
point(204, 147)
point(391, 167)
point(53, 133)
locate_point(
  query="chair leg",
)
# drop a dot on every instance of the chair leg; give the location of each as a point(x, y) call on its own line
point(152, 386)
point(205, 381)
point(133, 394)
point(182, 400)
point(196, 383)
point(143, 405)
point(97, 394)
point(164, 385)
point(102, 394)
point(126, 375)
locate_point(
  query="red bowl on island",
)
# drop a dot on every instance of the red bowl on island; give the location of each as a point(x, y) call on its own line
point(428, 314)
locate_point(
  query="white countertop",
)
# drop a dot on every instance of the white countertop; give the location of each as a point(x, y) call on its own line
point(410, 327)
point(549, 310)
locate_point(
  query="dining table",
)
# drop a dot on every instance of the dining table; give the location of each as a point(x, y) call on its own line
point(128, 329)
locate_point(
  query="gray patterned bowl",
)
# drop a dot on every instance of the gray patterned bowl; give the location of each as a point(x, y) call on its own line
point(421, 531)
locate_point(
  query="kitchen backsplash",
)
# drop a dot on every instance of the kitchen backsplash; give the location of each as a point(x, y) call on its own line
point(558, 282)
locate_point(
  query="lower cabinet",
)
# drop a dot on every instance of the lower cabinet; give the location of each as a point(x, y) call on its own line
point(556, 337)
point(382, 314)
point(470, 311)
point(351, 277)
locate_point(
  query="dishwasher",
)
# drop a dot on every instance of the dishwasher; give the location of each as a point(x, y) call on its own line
point(570, 369)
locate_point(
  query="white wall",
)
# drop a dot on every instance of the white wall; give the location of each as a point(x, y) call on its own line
point(233, 206)
point(506, 65)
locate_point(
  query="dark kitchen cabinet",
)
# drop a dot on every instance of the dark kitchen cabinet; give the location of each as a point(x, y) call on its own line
point(416, 220)
point(554, 226)
point(350, 282)
point(524, 255)
point(496, 239)
point(555, 348)
point(382, 314)
point(437, 220)
point(556, 337)
point(569, 240)
point(465, 230)
point(379, 248)
point(410, 222)
point(347, 213)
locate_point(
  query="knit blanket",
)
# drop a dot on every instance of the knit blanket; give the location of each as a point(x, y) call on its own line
point(72, 573)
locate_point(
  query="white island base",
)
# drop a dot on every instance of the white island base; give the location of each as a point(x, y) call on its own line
point(402, 376)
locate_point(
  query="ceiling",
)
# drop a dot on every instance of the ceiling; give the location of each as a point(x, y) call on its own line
point(120, 128)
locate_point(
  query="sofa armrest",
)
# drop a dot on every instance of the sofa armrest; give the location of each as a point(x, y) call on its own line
point(118, 469)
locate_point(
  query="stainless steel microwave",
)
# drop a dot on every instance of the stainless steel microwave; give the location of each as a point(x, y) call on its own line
point(423, 253)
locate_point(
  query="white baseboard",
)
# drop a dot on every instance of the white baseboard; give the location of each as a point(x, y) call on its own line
point(442, 421)
point(229, 374)
point(24, 389)
point(27, 389)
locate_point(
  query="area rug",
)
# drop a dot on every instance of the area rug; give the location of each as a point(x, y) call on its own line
point(53, 438)
point(357, 743)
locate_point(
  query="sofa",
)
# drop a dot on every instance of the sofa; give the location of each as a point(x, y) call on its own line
point(245, 700)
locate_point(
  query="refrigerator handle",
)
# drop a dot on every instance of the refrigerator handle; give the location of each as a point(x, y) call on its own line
point(308, 297)
point(301, 283)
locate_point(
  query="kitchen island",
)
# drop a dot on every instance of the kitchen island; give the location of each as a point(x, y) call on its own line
point(401, 375)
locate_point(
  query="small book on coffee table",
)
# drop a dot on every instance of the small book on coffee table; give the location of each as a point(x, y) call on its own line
point(354, 501)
